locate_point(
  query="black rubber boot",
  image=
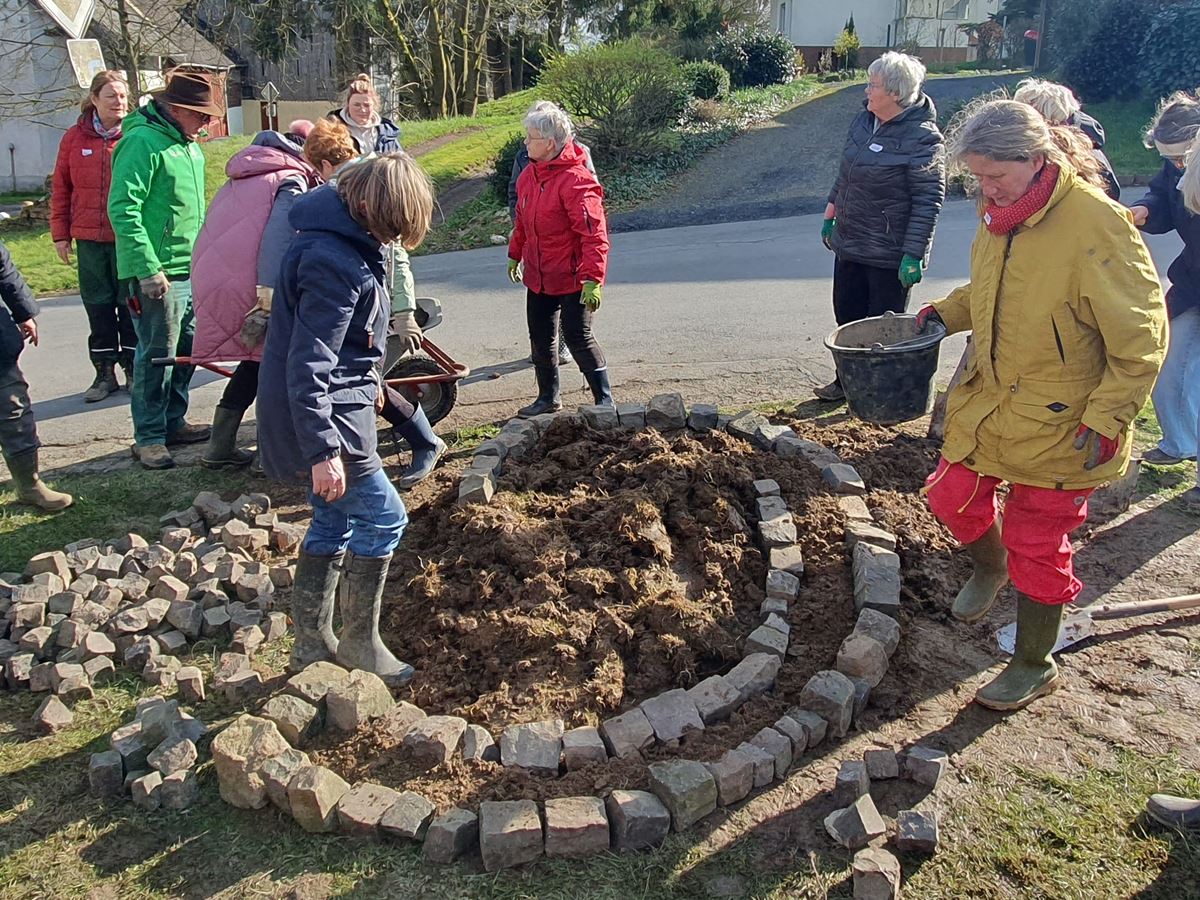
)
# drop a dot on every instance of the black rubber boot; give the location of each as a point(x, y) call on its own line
point(601, 391)
point(30, 487)
point(222, 451)
point(313, 590)
point(548, 400)
point(427, 448)
point(360, 646)
point(105, 383)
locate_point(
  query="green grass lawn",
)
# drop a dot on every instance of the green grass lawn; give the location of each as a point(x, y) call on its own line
point(1124, 123)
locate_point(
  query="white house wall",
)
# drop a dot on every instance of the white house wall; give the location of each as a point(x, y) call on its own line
point(39, 99)
point(811, 23)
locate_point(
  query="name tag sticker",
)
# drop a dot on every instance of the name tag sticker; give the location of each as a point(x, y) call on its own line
point(875, 148)
point(87, 151)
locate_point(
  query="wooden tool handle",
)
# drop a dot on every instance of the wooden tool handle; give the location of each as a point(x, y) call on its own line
point(1144, 607)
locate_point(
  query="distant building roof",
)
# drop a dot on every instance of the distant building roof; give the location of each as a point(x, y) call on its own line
point(162, 29)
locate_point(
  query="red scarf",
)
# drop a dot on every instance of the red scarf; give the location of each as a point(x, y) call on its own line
point(1002, 220)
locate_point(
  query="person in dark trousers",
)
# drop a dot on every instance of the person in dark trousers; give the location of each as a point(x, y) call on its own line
point(234, 266)
point(319, 390)
point(79, 213)
point(1058, 105)
point(884, 205)
point(559, 249)
point(1174, 131)
point(520, 161)
point(18, 430)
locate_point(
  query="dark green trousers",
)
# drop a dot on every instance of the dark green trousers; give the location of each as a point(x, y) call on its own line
point(111, 337)
point(159, 400)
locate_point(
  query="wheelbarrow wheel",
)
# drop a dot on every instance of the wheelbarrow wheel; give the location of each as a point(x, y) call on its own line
point(437, 398)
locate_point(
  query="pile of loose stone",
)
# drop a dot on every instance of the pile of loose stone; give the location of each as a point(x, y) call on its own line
point(77, 613)
point(260, 758)
point(858, 826)
point(152, 759)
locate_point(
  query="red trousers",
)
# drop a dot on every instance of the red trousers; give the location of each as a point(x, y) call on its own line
point(1036, 526)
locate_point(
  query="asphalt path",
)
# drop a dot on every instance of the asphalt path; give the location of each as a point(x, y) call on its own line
point(729, 313)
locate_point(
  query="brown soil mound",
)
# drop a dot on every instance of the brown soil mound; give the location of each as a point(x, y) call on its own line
point(610, 567)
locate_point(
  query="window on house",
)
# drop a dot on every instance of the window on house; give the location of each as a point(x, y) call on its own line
point(782, 18)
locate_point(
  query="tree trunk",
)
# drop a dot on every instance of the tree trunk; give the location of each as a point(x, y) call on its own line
point(409, 63)
point(519, 63)
point(133, 62)
point(506, 56)
point(555, 14)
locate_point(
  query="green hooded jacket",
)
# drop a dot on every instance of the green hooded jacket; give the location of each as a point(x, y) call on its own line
point(156, 204)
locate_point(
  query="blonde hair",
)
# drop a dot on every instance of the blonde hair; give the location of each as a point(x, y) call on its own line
point(390, 196)
point(362, 84)
point(1009, 131)
point(108, 76)
point(1055, 102)
point(1189, 182)
point(330, 142)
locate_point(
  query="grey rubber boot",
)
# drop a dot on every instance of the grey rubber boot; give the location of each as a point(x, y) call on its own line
point(222, 451)
point(360, 646)
point(313, 590)
point(30, 487)
point(978, 595)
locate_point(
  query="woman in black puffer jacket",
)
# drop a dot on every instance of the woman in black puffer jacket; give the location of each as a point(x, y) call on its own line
point(890, 187)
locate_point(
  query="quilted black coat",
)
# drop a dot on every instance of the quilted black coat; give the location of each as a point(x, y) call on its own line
point(890, 187)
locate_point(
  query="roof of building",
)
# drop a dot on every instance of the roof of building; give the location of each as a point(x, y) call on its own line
point(162, 29)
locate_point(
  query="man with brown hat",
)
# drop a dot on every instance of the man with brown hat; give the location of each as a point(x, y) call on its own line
point(156, 205)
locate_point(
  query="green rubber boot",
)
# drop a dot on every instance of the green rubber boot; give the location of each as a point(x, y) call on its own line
point(360, 600)
point(1031, 673)
point(978, 595)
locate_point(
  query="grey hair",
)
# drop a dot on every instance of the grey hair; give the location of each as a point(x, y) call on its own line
point(902, 76)
point(1189, 182)
point(550, 121)
point(1055, 102)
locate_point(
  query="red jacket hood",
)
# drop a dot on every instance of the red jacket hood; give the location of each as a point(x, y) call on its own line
point(572, 155)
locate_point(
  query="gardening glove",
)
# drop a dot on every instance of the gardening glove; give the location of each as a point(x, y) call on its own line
point(405, 327)
point(827, 228)
point(910, 270)
point(1100, 448)
point(254, 326)
point(514, 271)
point(926, 315)
point(155, 287)
point(591, 295)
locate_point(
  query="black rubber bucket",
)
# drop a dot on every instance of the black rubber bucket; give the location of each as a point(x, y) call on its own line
point(885, 383)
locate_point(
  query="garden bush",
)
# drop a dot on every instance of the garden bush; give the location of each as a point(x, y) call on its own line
point(755, 57)
point(1104, 66)
point(708, 80)
point(1171, 52)
point(624, 96)
point(505, 160)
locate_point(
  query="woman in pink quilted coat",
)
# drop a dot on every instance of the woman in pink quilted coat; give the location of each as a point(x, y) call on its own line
point(234, 266)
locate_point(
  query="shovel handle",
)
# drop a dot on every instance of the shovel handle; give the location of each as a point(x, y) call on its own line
point(1143, 607)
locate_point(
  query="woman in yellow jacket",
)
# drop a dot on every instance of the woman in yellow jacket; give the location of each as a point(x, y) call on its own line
point(1069, 329)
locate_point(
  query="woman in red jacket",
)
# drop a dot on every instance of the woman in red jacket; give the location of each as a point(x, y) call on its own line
point(79, 212)
point(560, 238)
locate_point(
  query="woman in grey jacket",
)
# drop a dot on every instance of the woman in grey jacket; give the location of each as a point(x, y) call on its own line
point(883, 207)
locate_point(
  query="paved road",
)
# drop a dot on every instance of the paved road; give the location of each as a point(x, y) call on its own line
point(784, 167)
point(726, 313)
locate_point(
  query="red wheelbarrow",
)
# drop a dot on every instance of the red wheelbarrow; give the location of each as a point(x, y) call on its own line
point(430, 379)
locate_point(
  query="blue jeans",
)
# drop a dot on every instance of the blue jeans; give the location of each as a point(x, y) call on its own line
point(159, 399)
point(1177, 391)
point(369, 519)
